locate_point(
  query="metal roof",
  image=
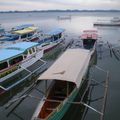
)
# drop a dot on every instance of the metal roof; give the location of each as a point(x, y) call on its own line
point(22, 46)
point(89, 34)
point(26, 30)
point(6, 54)
point(15, 49)
point(71, 66)
point(56, 31)
point(22, 27)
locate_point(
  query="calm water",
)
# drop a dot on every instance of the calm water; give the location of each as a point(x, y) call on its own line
point(74, 27)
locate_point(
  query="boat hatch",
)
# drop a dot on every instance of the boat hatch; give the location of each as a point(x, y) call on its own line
point(58, 93)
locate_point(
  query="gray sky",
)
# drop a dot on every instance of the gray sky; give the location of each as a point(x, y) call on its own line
point(58, 4)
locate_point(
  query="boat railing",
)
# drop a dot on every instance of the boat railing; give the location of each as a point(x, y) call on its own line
point(21, 80)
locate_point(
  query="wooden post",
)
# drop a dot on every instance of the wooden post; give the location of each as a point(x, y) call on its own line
point(45, 88)
point(67, 89)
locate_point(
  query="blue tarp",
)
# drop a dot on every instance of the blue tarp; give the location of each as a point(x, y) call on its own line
point(56, 31)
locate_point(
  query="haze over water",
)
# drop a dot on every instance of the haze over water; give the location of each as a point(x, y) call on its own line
point(74, 27)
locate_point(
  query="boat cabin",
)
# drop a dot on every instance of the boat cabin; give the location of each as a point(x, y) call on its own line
point(52, 36)
point(64, 80)
point(55, 34)
point(13, 55)
point(25, 34)
point(89, 38)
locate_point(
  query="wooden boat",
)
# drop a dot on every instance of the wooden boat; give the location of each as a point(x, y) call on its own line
point(25, 34)
point(47, 40)
point(15, 59)
point(66, 76)
point(51, 39)
point(89, 38)
point(113, 22)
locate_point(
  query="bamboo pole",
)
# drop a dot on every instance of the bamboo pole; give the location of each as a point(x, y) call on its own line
point(105, 97)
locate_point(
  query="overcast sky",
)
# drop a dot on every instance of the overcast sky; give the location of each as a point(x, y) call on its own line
point(58, 4)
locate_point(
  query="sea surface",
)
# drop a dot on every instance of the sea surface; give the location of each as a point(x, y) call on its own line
point(79, 21)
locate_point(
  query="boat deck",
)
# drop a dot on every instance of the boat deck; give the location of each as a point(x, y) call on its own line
point(22, 75)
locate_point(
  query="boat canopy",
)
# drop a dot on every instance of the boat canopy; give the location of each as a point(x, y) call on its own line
point(7, 54)
point(89, 34)
point(22, 46)
point(26, 30)
point(22, 27)
point(55, 31)
point(71, 67)
point(15, 49)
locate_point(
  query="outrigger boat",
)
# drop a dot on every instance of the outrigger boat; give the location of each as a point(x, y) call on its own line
point(25, 34)
point(89, 38)
point(17, 62)
point(66, 76)
point(47, 40)
point(50, 39)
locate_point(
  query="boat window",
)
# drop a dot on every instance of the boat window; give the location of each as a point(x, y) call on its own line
point(3, 65)
point(30, 34)
point(16, 60)
point(16, 38)
point(30, 51)
point(47, 40)
point(25, 54)
point(55, 37)
point(60, 35)
point(24, 36)
point(33, 49)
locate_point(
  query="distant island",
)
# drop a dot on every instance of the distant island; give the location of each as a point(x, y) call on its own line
point(59, 11)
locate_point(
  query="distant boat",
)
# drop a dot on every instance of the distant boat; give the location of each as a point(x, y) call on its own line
point(113, 22)
point(66, 76)
point(64, 17)
point(17, 58)
point(89, 38)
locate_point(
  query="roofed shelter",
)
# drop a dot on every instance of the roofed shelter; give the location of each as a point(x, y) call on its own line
point(71, 67)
